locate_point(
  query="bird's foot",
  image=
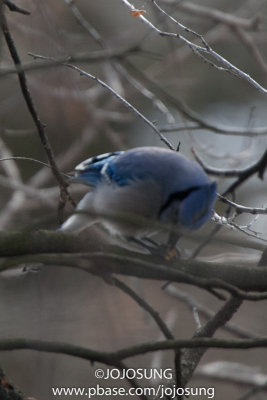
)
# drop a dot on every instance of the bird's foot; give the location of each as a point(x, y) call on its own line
point(167, 252)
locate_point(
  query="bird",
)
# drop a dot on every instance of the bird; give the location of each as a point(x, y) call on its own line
point(152, 183)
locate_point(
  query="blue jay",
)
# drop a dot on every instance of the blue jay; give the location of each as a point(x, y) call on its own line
point(155, 183)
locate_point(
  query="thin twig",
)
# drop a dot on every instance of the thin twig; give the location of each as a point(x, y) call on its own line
point(257, 168)
point(114, 93)
point(18, 200)
point(200, 50)
point(10, 168)
point(206, 49)
point(143, 304)
point(198, 121)
point(229, 223)
point(117, 66)
point(192, 303)
point(27, 159)
point(202, 124)
point(243, 209)
point(92, 57)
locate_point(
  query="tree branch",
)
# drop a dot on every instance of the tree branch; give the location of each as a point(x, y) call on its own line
point(198, 122)
point(57, 248)
point(114, 358)
point(202, 51)
point(14, 7)
point(114, 93)
point(29, 102)
point(207, 313)
point(191, 357)
point(257, 168)
point(144, 305)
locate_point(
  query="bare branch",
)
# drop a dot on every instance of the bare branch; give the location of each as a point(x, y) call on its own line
point(201, 124)
point(191, 357)
point(10, 167)
point(39, 125)
point(114, 358)
point(198, 122)
point(242, 209)
point(192, 303)
point(229, 223)
point(257, 168)
point(143, 304)
point(92, 57)
point(56, 248)
point(117, 66)
point(114, 93)
point(200, 50)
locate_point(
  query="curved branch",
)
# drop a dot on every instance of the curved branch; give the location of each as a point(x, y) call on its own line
point(114, 93)
point(146, 306)
point(32, 110)
point(57, 248)
point(115, 357)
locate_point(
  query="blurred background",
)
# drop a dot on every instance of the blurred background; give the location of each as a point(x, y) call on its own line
point(83, 119)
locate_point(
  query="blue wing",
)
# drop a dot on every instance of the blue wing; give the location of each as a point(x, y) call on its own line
point(196, 209)
point(184, 186)
point(173, 172)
